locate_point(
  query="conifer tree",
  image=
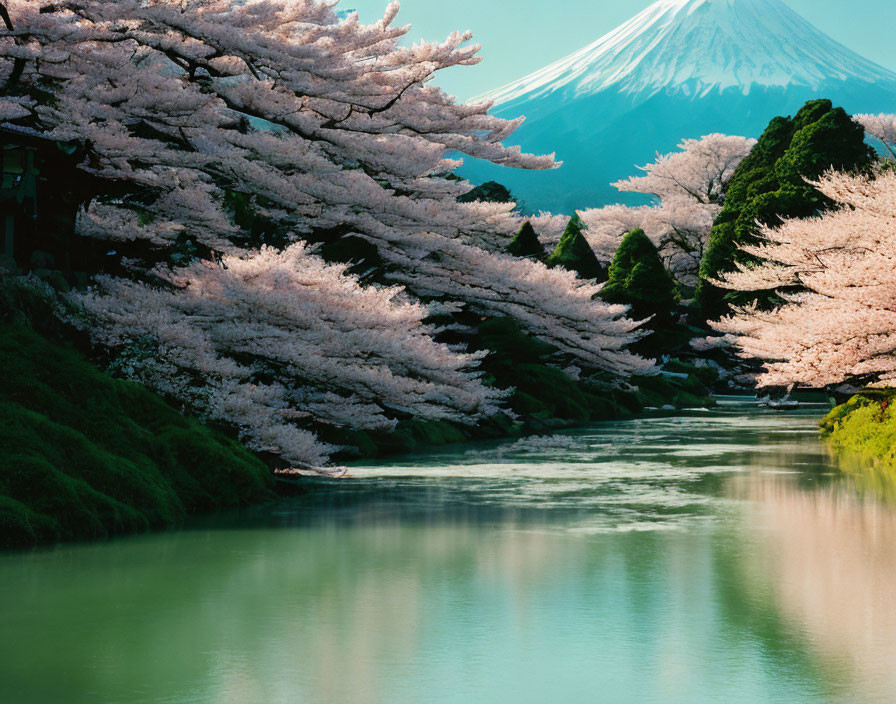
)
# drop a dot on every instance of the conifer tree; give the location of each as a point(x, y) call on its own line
point(526, 243)
point(575, 254)
point(637, 278)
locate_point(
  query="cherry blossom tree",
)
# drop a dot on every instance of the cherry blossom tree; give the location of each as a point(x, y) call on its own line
point(320, 128)
point(265, 98)
point(836, 279)
point(700, 169)
point(882, 127)
point(689, 186)
point(281, 342)
point(328, 126)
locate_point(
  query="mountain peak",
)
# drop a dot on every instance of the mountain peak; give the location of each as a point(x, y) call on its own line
point(696, 47)
point(679, 69)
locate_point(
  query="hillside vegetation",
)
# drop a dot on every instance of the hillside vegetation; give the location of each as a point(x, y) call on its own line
point(771, 185)
point(83, 455)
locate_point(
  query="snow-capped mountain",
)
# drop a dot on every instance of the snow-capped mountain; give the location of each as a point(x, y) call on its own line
point(680, 68)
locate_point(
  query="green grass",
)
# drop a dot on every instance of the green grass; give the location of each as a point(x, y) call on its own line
point(865, 426)
point(83, 455)
point(863, 433)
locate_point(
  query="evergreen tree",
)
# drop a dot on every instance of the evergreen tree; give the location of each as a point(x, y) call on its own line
point(574, 253)
point(526, 243)
point(770, 185)
point(637, 278)
point(576, 219)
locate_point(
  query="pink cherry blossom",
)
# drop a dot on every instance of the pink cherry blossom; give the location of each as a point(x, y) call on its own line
point(836, 277)
point(690, 188)
point(323, 125)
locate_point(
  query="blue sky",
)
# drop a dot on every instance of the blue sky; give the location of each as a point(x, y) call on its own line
point(522, 36)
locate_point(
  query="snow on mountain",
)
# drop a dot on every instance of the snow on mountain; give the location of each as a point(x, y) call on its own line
point(697, 46)
point(680, 68)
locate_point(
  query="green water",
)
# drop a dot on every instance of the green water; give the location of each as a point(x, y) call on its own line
point(709, 558)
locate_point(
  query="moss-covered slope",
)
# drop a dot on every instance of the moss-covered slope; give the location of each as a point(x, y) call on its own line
point(83, 455)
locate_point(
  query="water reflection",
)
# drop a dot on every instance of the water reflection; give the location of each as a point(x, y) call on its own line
point(829, 556)
point(665, 560)
point(396, 613)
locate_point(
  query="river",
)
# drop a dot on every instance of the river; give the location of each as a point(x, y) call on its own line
point(711, 557)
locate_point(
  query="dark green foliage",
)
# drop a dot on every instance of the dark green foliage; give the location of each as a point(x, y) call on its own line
point(769, 185)
point(244, 214)
point(543, 392)
point(356, 443)
point(526, 243)
point(83, 455)
point(527, 405)
point(558, 393)
point(518, 360)
point(707, 376)
point(638, 278)
point(509, 343)
point(574, 253)
point(490, 191)
point(659, 391)
point(653, 391)
point(546, 395)
point(256, 228)
point(33, 303)
point(432, 432)
point(412, 435)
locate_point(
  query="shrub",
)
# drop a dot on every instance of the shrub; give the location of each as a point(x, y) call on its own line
point(526, 243)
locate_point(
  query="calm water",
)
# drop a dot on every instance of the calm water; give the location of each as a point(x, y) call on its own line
point(709, 558)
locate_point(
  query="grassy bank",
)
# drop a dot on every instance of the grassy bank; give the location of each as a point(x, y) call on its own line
point(864, 429)
point(83, 455)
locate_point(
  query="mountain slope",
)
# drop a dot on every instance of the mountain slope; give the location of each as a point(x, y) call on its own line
point(680, 68)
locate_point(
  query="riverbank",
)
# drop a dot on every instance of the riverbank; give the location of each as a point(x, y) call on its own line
point(864, 428)
point(85, 456)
